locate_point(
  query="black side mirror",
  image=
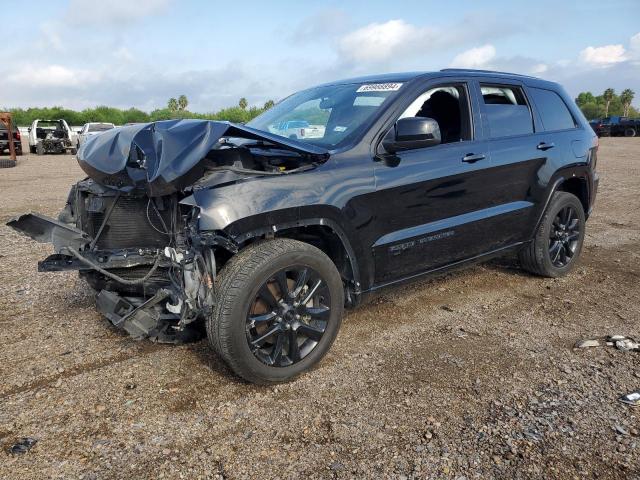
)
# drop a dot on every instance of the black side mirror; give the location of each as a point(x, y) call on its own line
point(412, 132)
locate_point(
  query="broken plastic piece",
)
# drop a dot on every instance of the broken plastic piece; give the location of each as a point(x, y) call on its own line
point(23, 445)
point(632, 398)
point(588, 343)
point(626, 344)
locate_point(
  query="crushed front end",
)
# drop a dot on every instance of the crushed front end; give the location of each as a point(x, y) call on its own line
point(131, 232)
point(137, 252)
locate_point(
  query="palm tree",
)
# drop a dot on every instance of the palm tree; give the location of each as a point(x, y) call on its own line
point(172, 104)
point(243, 103)
point(608, 95)
point(626, 97)
point(268, 104)
point(183, 102)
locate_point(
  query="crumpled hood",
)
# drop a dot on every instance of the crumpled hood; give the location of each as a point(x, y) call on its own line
point(165, 157)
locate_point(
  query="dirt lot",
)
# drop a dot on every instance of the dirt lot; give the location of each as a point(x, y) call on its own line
point(472, 375)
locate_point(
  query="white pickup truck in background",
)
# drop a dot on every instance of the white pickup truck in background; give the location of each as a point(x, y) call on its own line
point(51, 136)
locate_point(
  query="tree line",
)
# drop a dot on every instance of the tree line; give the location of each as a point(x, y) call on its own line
point(176, 108)
point(607, 104)
point(593, 107)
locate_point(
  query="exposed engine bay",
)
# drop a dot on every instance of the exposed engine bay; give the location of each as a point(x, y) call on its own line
point(131, 232)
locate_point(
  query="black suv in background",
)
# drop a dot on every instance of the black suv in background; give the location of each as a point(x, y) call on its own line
point(265, 238)
point(4, 140)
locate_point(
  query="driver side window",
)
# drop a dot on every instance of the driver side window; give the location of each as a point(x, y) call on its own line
point(447, 105)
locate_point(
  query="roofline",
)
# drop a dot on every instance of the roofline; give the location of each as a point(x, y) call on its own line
point(496, 72)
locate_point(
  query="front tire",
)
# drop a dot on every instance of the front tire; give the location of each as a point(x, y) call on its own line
point(630, 132)
point(39, 149)
point(558, 242)
point(279, 306)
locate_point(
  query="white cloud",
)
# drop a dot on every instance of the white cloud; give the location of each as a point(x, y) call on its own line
point(123, 54)
point(478, 57)
point(50, 76)
point(113, 12)
point(539, 68)
point(603, 56)
point(378, 42)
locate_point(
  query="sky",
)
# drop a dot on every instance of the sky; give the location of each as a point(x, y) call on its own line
point(139, 53)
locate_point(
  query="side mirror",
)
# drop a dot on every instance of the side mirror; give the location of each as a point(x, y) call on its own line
point(29, 129)
point(412, 132)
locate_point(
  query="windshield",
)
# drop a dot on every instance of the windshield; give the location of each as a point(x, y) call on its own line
point(325, 116)
point(99, 127)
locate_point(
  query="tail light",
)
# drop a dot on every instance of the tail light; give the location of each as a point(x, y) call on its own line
point(302, 132)
point(16, 135)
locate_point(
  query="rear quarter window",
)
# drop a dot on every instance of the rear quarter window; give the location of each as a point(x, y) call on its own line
point(553, 111)
point(507, 111)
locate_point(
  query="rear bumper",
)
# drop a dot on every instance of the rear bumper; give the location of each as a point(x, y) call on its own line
point(17, 144)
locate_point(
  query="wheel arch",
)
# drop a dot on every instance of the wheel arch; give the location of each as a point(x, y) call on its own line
point(574, 180)
point(322, 231)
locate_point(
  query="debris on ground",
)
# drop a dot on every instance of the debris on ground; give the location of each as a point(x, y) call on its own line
point(23, 445)
point(587, 343)
point(621, 342)
point(632, 398)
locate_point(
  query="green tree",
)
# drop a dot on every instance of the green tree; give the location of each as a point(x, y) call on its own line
point(608, 96)
point(626, 97)
point(172, 104)
point(592, 110)
point(243, 103)
point(584, 98)
point(183, 102)
point(268, 104)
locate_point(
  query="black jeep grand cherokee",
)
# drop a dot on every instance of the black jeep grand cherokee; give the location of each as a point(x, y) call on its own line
point(264, 235)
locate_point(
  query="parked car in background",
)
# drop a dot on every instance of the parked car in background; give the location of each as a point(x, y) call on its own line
point(51, 136)
point(4, 139)
point(616, 126)
point(91, 129)
point(264, 239)
point(297, 129)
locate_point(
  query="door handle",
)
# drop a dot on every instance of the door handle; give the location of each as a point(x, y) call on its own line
point(472, 158)
point(545, 145)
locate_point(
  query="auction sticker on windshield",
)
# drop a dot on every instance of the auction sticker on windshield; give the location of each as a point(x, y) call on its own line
point(379, 87)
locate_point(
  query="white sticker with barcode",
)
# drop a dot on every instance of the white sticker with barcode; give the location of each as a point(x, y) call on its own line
point(379, 87)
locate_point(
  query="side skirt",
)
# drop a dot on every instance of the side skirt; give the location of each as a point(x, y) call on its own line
point(452, 266)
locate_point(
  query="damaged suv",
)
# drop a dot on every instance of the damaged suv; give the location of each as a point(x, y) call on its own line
point(263, 239)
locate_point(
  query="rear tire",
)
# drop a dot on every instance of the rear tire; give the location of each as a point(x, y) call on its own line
point(32, 149)
point(555, 249)
point(630, 132)
point(39, 149)
point(248, 338)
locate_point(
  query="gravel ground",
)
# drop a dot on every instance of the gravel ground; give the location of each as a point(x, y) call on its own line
point(471, 375)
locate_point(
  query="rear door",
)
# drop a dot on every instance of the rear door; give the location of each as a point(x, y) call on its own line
point(517, 159)
point(560, 137)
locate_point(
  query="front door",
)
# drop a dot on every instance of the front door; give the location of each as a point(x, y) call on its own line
point(433, 206)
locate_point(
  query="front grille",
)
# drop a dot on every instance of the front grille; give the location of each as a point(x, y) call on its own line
point(128, 225)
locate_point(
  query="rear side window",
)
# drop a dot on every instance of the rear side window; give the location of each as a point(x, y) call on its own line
point(507, 110)
point(554, 112)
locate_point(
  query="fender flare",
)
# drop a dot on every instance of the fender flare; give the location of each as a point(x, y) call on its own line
point(576, 171)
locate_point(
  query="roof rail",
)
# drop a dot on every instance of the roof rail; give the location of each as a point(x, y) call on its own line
point(473, 70)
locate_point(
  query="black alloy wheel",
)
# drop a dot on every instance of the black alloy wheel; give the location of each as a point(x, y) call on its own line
point(558, 240)
point(288, 316)
point(564, 236)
